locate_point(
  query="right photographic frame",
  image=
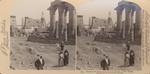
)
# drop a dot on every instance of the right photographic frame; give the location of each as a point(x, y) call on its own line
point(109, 36)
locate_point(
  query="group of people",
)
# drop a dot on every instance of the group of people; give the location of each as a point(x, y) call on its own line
point(129, 56)
point(63, 59)
point(129, 59)
point(39, 63)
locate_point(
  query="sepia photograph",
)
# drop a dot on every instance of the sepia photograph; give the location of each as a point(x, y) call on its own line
point(109, 36)
point(74, 36)
point(42, 37)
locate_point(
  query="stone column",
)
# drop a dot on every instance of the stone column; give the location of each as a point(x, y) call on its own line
point(70, 25)
point(52, 20)
point(71, 20)
point(60, 25)
point(74, 22)
point(65, 26)
point(132, 26)
point(64, 22)
point(56, 30)
point(138, 23)
point(119, 22)
point(127, 22)
point(123, 30)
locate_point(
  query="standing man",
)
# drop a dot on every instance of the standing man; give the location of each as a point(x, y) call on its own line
point(39, 63)
point(66, 57)
point(105, 63)
point(62, 45)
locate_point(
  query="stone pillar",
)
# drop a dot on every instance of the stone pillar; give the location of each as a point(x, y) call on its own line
point(123, 30)
point(132, 26)
point(64, 21)
point(74, 23)
point(119, 22)
point(127, 23)
point(52, 20)
point(56, 30)
point(71, 24)
point(60, 22)
point(65, 26)
point(138, 23)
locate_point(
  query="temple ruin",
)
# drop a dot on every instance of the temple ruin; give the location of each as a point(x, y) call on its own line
point(61, 29)
point(130, 28)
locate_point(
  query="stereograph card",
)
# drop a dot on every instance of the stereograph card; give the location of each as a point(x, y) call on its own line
point(74, 36)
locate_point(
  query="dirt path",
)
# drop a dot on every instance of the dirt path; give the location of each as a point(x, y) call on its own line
point(93, 58)
point(22, 58)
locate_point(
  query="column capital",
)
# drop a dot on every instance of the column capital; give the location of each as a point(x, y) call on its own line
point(128, 9)
point(119, 11)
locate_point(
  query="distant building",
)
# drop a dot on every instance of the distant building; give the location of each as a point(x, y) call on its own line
point(80, 20)
point(110, 24)
point(29, 24)
point(43, 21)
point(97, 24)
point(13, 20)
point(13, 26)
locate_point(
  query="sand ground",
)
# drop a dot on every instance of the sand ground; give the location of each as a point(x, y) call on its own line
point(89, 59)
point(23, 59)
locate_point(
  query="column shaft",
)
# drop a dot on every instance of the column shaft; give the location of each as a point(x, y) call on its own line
point(138, 23)
point(52, 20)
point(56, 30)
point(65, 27)
point(132, 26)
point(119, 21)
point(127, 23)
point(60, 25)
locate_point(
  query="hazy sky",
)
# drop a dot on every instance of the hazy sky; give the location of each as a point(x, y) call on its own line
point(87, 8)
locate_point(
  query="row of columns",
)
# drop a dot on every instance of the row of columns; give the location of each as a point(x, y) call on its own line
point(128, 29)
point(62, 29)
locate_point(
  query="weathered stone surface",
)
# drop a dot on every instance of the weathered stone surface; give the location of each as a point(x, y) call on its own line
point(129, 30)
point(62, 30)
